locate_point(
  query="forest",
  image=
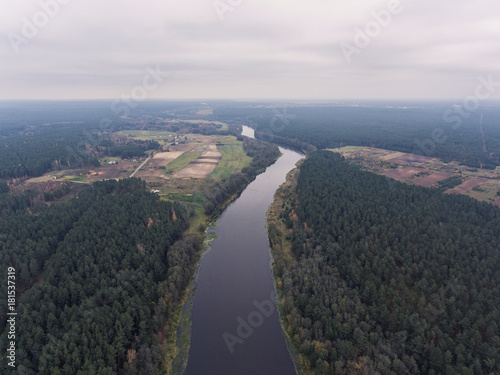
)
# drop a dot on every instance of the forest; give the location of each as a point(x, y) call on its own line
point(421, 128)
point(97, 279)
point(39, 150)
point(40, 136)
point(387, 278)
point(381, 277)
point(133, 148)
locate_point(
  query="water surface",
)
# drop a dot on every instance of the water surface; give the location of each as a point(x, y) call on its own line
point(235, 326)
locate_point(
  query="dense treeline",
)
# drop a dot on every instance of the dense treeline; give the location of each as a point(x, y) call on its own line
point(388, 278)
point(37, 136)
point(292, 143)
point(263, 154)
point(99, 277)
point(21, 201)
point(133, 148)
point(450, 183)
point(40, 150)
point(418, 128)
point(50, 148)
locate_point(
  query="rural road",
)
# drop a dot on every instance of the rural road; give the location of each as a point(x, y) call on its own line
point(142, 165)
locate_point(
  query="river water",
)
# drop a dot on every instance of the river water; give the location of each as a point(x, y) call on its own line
point(235, 326)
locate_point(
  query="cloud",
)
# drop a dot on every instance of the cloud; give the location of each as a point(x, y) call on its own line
point(260, 49)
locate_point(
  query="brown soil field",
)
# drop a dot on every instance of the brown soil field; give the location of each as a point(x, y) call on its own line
point(392, 155)
point(411, 158)
point(432, 179)
point(114, 171)
point(466, 186)
point(205, 148)
point(403, 173)
point(202, 166)
point(147, 174)
point(183, 147)
point(367, 153)
point(163, 158)
point(425, 171)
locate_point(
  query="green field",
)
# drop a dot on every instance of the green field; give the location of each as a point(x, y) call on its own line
point(183, 160)
point(206, 112)
point(227, 139)
point(192, 199)
point(76, 178)
point(348, 148)
point(233, 158)
point(144, 135)
point(159, 136)
point(224, 127)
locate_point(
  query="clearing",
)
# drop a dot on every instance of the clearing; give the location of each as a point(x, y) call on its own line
point(202, 165)
point(433, 178)
point(234, 159)
point(426, 171)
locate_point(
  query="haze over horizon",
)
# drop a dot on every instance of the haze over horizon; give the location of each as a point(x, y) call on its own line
point(250, 49)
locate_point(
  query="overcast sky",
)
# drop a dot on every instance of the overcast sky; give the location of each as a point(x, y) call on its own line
point(290, 49)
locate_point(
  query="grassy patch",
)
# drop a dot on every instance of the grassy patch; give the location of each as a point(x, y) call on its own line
point(180, 322)
point(487, 192)
point(233, 159)
point(198, 222)
point(183, 160)
point(76, 178)
point(144, 135)
point(227, 140)
point(205, 112)
point(225, 127)
point(178, 363)
point(351, 148)
point(194, 199)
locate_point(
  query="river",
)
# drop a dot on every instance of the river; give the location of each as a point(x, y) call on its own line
point(235, 325)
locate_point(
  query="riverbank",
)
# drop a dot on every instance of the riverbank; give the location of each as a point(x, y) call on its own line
point(280, 239)
point(235, 277)
point(177, 346)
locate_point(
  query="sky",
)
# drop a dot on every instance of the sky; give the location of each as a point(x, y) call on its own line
point(248, 49)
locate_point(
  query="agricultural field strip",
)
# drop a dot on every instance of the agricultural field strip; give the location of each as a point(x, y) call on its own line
point(202, 166)
point(226, 156)
point(409, 166)
point(233, 159)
